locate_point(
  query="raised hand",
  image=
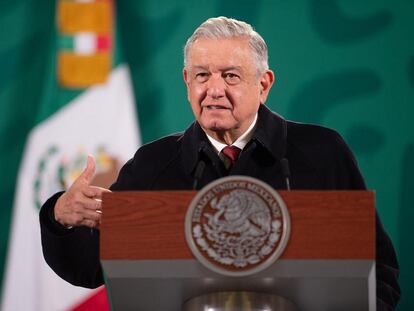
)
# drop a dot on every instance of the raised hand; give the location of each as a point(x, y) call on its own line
point(81, 204)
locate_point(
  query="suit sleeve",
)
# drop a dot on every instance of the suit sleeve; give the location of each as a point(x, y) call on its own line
point(72, 253)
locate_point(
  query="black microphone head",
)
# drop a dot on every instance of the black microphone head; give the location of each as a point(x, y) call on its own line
point(284, 164)
point(199, 169)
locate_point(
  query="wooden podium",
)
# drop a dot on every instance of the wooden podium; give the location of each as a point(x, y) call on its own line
point(328, 264)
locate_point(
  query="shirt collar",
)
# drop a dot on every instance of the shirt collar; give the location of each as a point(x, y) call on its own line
point(240, 142)
point(270, 132)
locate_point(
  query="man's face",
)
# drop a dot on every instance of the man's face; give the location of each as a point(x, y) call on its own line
point(223, 86)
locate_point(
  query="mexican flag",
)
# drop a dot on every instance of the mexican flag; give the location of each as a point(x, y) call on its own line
point(99, 119)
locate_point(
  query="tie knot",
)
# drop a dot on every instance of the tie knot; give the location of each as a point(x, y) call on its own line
point(231, 152)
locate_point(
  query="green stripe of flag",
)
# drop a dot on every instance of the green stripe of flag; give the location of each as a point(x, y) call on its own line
point(66, 43)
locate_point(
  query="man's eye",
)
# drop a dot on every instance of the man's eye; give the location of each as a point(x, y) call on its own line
point(201, 76)
point(231, 78)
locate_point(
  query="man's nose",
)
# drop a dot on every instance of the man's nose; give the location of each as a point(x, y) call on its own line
point(216, 86)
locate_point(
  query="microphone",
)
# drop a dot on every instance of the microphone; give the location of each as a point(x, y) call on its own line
point(198, 173)
point(284, 163)
point(201, 165)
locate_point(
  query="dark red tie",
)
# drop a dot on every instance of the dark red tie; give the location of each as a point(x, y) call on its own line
point(232, 153)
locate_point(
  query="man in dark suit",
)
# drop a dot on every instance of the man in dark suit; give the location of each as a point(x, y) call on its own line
point(228, 80)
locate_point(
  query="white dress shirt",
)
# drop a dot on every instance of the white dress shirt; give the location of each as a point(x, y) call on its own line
point(240, 142)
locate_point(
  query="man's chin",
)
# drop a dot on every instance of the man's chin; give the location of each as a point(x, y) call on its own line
point(217, 130)
point(217, 127)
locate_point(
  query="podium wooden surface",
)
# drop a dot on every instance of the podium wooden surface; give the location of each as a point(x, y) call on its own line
point(325, 225)
point(328, 264)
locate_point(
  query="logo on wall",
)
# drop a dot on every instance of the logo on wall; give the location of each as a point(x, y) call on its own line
point(237, 226)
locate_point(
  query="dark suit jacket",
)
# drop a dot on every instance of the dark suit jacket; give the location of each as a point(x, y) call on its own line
point(318, 159)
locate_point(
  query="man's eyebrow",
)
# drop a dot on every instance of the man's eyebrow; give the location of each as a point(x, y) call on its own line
point(198, 67)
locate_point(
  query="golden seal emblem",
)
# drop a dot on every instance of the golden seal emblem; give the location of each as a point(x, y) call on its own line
point(237, 226)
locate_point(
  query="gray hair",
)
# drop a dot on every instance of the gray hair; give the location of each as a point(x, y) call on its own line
point(227, 28)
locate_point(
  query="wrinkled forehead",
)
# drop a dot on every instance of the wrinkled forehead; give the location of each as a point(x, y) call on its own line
point(233, 52)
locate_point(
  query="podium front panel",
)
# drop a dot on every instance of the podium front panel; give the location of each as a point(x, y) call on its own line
point(328, 264)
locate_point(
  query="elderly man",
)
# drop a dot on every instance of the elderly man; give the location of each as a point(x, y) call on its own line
point(228, 80)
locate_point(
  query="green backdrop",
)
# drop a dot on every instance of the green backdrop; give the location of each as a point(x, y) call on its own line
point(345, 64)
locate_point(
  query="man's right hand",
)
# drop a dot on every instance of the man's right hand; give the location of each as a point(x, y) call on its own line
point(81, 204)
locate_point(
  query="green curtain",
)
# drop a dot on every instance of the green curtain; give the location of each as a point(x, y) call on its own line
point(348, 65)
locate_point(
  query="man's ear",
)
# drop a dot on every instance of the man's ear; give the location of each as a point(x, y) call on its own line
point(266, 82)
point(185, 76)
point(187, 82)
